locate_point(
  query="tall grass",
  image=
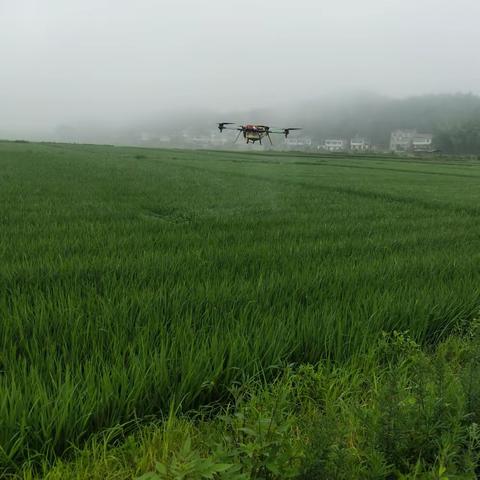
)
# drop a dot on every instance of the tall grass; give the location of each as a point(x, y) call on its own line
point(131, 281)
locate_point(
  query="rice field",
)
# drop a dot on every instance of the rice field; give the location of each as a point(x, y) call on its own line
point(136, 279)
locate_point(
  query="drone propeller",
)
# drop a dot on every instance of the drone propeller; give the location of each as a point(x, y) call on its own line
point(221, 125)
point(286, 131)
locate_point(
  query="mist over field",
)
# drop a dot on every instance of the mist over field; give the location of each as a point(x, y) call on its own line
point(177, 304)
point(101, 71)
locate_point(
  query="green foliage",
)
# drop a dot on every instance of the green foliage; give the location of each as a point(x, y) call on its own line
point(405, 417)
point(254, 439)
point(460, 138)
point(131, 284)
point(412, 420)
point(454, 119)
point(188, 464)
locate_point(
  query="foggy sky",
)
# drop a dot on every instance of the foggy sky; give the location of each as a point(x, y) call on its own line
point(116, 60)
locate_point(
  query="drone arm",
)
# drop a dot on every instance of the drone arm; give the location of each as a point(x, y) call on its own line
point(238, 135)
point(221, 125)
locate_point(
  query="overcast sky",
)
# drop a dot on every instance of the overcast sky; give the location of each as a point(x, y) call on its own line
point(112, 60)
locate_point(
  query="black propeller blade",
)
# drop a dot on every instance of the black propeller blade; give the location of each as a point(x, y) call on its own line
point(286, 131)
point(221, 125)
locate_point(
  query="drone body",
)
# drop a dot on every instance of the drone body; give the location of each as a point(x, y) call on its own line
point(255, 133)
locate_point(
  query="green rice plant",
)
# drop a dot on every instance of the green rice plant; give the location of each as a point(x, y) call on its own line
point(132, 279)
point(405, 416)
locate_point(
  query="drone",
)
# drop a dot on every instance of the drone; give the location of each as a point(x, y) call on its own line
point(255, 133)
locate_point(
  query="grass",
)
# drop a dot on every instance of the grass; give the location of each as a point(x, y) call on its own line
point(134, 280)
point(403, 413)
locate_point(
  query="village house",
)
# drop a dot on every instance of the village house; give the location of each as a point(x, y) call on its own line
point(335, 145)
point(359, 144)
point(410, 140)
point(422, 142)
point(298, 142)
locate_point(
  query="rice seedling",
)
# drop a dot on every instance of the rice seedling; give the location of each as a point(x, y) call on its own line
point(133, 279)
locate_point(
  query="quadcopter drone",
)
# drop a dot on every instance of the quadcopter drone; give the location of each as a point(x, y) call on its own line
point(255, 133)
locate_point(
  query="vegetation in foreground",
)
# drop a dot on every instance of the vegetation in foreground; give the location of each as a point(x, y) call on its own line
point(136, 282)
point(399, 412)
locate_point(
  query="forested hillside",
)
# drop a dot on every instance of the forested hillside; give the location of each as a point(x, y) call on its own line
point(453, 119)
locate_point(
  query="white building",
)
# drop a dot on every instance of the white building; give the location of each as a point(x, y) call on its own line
point(401, 140)
point(335, 145)
point(422, 142)
point(410, 140)
point(298, 142)
point(359, 144)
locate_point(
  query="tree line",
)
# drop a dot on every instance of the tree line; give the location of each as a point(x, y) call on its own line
point(454, 119)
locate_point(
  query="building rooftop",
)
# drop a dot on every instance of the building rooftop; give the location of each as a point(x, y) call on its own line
point(424, 135)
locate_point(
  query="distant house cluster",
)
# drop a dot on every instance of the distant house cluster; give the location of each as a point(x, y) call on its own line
point(360, 144)
point(356, 144)
point(335, 144)
point(298, 142)
point(410, 141)
point(400, 141)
